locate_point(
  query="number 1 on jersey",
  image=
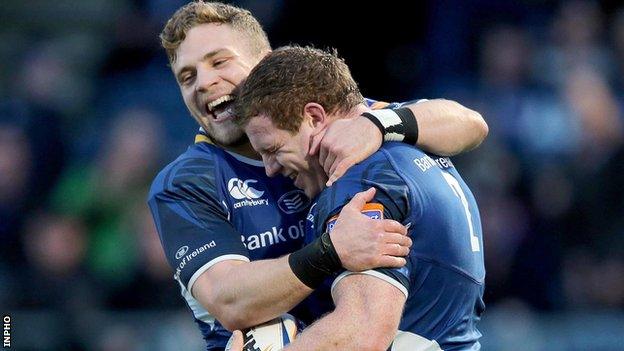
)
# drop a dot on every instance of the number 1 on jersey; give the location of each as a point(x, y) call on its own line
point(454, 184)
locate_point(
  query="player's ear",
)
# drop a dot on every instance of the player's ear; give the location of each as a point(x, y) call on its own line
point(316, 115)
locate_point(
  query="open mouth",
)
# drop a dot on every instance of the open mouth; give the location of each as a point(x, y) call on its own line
point(221, 108)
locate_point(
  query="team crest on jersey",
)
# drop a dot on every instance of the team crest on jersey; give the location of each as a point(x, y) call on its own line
point(242, 190)
point(372, 210)
point(293, 201)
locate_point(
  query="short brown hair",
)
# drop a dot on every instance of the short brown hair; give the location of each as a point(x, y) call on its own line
point(290, 77)
point(199, 12)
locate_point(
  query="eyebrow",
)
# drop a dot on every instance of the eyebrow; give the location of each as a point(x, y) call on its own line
point(271, 148)
point(207, 56)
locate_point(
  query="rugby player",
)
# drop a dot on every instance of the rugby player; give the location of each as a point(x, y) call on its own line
point(433, 302)
point(224, 225)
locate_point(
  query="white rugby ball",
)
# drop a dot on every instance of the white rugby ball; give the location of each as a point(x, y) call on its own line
point(273, 335)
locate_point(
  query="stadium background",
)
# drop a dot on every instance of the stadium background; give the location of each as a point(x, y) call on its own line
point(89, 112)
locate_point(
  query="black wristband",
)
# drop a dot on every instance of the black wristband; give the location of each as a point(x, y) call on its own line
point(395, 125)
point(376, 122)
point(410, 125)
point(315, 261)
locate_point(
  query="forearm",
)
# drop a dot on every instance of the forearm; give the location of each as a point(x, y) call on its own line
point(361, 301)
point(447, 128)
point(336, 331)
point(326, 334)
point(250, 293)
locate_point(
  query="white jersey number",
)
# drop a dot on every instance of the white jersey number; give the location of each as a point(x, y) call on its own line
point(454, 184)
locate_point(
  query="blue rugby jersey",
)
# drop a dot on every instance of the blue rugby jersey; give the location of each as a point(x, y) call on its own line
point(210, 205)
point(444, 277)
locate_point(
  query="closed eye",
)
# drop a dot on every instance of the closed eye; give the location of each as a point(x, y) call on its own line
point(219, 62)
point(186, 79)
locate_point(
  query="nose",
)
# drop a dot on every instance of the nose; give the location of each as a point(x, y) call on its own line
point(206, 78)
point(271, 166)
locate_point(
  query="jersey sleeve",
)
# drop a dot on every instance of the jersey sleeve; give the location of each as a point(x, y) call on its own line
point(391, 201)
point(192, 223)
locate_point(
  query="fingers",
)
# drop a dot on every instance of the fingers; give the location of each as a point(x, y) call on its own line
point(322, 152)
point(236, 343)
point(360, 199)
point(394, 238)
point(315, 142)
point(392, 262)
point(393, 226)
point(338, 170)
point(329, 162)
point(396, 250)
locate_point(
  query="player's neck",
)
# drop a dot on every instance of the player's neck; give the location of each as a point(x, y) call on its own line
point(244, 149)
point(356, 111)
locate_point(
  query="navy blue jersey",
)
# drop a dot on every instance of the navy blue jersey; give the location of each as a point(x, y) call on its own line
point(209, 206)
point(444, 277)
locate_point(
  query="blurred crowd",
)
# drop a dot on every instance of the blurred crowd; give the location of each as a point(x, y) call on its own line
point(89, 112)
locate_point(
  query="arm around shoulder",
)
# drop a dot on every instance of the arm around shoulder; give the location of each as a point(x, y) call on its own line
point(448, 128)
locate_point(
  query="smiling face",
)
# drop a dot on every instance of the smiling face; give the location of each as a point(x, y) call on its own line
point(286, 153)
point(210, 63)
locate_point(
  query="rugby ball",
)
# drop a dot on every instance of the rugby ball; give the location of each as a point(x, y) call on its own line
point(273, 335)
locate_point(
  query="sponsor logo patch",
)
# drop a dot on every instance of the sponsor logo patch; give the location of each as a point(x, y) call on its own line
point(181, 251)
point(189, 256)
point(373, 210)
point(293, 201)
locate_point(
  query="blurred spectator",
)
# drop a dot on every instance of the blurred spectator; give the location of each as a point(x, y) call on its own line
point(577, 41)
point(529, 119)
point(106, 192)
point(152, 285)
point(15, 171)
point(55, 249)
point(53, 275)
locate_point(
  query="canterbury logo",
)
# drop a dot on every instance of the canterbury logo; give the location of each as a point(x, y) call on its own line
point(241, 190)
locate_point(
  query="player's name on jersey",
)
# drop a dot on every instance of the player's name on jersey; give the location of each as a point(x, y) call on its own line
point(273, 236)
point(426, 162)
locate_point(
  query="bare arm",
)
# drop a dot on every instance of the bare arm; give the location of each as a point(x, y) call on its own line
point(445, 128)
point(361, 301)
point(242, 294)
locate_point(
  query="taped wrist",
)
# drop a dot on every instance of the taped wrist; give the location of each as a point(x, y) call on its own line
point(315, 261)
point(396, 124)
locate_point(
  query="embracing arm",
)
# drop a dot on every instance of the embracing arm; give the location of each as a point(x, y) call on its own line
point(211, 262)
point(242, 294)
point(447, 128)
point(367, 315)
point(443, 127)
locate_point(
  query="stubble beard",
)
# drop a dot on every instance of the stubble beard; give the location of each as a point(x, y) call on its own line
point(225, 134)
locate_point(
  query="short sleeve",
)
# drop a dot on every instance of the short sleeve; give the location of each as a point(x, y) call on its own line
point(192, 223)
point(391, 201)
